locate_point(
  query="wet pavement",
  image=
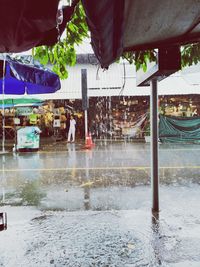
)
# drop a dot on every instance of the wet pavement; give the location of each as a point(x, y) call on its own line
point(72, 207)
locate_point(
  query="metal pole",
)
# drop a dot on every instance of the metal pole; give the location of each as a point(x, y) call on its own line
point(3, 105)
point(86, 123)
point(154, 146)
point(85, 103)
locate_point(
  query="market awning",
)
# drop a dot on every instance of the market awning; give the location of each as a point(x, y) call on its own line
point(124, 25)
point(21, 78)
point(18, 102)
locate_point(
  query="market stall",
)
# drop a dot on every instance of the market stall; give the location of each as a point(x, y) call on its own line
point(28, 138)
point(21, 78)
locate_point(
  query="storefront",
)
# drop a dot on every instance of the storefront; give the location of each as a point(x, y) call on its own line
point(108, 117)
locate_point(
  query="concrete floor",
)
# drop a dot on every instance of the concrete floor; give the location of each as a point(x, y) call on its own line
point(72, 207)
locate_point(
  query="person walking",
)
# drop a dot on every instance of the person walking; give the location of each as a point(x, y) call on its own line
point(72, 129)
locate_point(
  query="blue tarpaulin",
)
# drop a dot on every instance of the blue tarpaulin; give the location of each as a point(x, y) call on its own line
point(23, 78)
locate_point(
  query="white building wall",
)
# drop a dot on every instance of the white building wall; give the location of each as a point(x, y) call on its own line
point(119, 79)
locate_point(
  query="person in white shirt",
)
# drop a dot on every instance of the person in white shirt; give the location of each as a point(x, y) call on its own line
point(72, 129)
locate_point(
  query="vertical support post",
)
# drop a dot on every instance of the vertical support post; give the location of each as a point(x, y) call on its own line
point(168, 62)
point(3, 105)
point(85, 103)
point(154, 145)
point(86, 123)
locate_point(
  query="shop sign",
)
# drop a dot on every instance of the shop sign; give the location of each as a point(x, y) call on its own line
point(24, 111)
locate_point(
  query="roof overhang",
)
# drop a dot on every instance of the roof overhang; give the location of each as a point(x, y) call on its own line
point(26, 24)
point(130, 25)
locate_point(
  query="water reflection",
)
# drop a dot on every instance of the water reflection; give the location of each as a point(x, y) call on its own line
point(111, 176)
point(25, 193)
point(120, 233)
point(31, 194)
point(71, 159)
point(88, 158)
point(87, 183)
point(87, 198)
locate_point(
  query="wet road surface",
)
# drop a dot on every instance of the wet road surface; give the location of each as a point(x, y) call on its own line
point(71, 207)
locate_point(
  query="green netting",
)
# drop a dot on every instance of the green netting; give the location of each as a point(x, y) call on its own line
point(179, 129)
